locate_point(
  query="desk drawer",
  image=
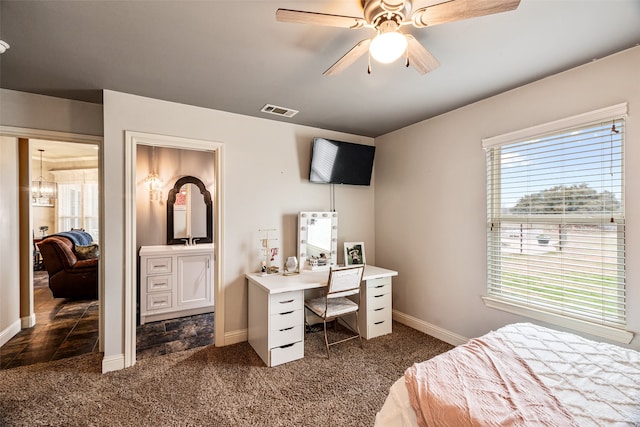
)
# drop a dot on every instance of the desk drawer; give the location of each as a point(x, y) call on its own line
point(286, 320)
point(377, 328)
point(285, 336)
point(159, 265)
point(158, 283)
point(158, 301)
point(376, 315)
point(286, 353)
point(287, 301)
point(378, 283)
point(377, 300)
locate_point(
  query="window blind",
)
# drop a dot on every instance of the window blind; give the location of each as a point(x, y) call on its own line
point(556, 223)
point(77, 207)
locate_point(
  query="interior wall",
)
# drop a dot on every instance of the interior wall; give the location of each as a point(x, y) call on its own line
point(170, 165)
point(431, 193)
point(9, 235)
point(31, 111)
point(266, 167)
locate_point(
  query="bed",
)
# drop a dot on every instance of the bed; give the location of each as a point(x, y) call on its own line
point(519, 375)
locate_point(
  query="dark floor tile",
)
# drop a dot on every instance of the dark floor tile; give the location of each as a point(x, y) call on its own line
point(173, 324)
point(152, 339)
point(71, 312)
point(76, 344)
point(30, 357)
point(5, 362)
point(85, 325)
point(151, 328)
point(8, 353)
point(158, 350)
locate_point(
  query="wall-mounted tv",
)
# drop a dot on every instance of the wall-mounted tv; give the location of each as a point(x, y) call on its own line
point(337, 162)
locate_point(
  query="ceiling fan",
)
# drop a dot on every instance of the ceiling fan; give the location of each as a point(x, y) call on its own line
point(388, 17)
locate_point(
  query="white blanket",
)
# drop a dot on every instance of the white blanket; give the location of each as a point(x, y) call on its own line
point(598, 383)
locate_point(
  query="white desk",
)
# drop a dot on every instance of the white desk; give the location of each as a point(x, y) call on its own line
point(276, 310)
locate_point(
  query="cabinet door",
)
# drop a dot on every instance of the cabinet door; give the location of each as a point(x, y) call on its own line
point(194, 281)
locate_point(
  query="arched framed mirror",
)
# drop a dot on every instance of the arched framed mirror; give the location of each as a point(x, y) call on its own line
point(189, 212)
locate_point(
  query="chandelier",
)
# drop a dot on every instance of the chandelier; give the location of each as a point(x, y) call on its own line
point(41, 189)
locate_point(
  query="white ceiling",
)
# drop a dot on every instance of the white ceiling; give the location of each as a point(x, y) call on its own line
point(62, 152)
point(234, 56)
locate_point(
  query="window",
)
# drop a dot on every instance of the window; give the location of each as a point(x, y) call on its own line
point(77, 205)
point(556, 223)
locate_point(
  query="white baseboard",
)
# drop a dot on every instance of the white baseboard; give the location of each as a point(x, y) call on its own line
point(29, 321)
point(235, 337)
point(9, 332)
point(115, 363)
point(429, 329)
point(112, 363)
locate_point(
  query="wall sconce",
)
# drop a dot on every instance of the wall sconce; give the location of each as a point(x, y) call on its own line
point(153, 184)
point(41, 189)
point(152, 181)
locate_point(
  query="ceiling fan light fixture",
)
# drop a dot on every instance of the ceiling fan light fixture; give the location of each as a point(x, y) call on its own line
point(389, 44)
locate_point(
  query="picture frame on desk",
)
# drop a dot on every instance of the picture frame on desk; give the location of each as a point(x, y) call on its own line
point(354, 253)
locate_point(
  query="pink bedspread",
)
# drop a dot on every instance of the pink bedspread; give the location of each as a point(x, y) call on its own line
point(482, 383)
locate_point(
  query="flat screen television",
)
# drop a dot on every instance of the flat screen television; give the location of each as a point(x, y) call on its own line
point(337, 162)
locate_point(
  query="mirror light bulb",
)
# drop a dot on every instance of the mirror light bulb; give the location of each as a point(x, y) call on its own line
point(387, 47)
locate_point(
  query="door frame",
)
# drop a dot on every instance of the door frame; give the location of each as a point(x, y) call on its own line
point(132, 140)
point(26, 240)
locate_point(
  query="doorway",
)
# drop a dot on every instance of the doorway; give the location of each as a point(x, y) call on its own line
point(68, 327)
point(137, 206)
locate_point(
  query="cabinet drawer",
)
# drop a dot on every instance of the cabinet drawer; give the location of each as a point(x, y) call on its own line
point(378, 283)
point(286, 320)
point(159, 265)
point(380, 327)
point(288, 301)
point(158, 283)
point(289, 335)
point(377, 300)
point(375, 315)
point(158, 301)
point(286, 353)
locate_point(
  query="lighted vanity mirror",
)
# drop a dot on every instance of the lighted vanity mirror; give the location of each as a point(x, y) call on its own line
point(189, 212)
point(317, 240)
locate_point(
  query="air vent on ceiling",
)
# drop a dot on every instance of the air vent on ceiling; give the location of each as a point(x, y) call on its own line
point(279, 111)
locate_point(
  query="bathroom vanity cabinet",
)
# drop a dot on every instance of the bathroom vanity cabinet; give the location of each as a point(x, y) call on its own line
point(175, 281)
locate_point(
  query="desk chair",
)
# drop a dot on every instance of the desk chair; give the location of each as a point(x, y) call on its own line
point(343, 282)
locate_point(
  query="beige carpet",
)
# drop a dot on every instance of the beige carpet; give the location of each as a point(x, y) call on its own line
point(209, 386)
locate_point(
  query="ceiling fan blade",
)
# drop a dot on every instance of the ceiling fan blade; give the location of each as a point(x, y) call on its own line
point(456, 10)
point(419, 57)
point(302, 17)
point(349, 58)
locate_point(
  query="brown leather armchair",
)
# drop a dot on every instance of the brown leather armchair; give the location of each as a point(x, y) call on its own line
point(69, 277)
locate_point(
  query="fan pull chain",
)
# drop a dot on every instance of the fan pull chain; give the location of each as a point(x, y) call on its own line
point(369, 65)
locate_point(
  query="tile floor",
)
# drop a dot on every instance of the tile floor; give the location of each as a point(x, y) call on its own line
point(168, 336)
point(66, 328)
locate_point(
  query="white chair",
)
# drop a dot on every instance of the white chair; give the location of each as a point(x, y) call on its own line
point(343, 282)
